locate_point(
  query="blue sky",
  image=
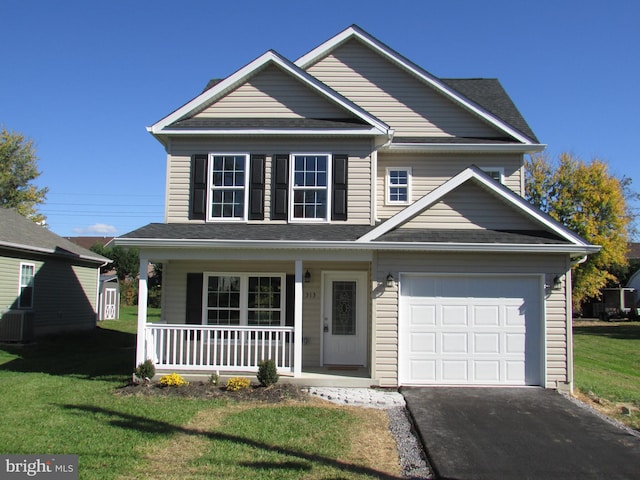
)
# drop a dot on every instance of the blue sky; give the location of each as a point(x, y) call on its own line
point(83, 79)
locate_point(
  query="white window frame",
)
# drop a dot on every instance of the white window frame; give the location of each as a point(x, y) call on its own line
point(387, 188)
point(211, 187)
point(494, 172)
point(244, 296)
point(22, 285)
point(293, 188)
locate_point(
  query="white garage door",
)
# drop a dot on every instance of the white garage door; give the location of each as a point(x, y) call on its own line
point(470, 330)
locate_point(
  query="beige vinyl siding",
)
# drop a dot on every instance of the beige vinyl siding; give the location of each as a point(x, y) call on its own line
point(386, 301)
point(470, 206)
point(359, 176)
point(428, 172)
point(64, 295)
point(175, 293)
point(272, 93)
point(395, 96)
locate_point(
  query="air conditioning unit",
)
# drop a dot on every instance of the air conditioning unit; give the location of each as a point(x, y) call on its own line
point(16, 326)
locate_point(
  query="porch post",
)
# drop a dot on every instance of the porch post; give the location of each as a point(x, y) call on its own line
point(297, 322)
point(141, 354)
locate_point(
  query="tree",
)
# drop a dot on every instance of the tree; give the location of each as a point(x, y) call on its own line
point(18, 167)
point(126, 262)
point(593, 203)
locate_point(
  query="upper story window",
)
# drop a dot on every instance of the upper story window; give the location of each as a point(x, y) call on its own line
point(497, 173)
point(398, 185)
point(27, 274)
point(228, 186)
point(310, 186)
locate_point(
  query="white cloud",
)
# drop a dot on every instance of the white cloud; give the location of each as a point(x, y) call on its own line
point(97, 228)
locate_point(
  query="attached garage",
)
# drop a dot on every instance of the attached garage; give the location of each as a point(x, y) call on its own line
point(471, 330)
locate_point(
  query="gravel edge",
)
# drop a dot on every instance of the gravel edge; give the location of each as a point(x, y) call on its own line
point(412, 458)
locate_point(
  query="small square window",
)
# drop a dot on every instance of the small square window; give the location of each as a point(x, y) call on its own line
point(398, 185)
point(497, 173)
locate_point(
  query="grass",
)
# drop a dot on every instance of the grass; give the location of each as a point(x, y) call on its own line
point(58, 397)
point(607, 366)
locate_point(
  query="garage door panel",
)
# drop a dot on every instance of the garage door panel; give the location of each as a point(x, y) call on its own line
point(486, 315)
point(423, 314)
point(487, 371)
point(486, 343)
point(486, 332)
point(455, 371)
point(453, 315)
point(454, 343)
point(423, 343)
point(423, 370)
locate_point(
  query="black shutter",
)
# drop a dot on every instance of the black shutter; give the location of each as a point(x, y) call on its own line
point(198, 197)
point(256, 188)
point(290, 300)
point(194, 299)
point(339, 198)
point(280, 187)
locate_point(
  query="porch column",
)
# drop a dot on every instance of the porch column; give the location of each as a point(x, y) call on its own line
point(297, 322)
point(141, 354)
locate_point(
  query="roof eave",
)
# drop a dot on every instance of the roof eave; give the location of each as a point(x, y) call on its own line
point(267, 131)
point(354, 245)
point(48, 251)
point(466, 147)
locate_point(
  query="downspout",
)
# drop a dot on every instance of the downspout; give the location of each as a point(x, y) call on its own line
point(374, 174)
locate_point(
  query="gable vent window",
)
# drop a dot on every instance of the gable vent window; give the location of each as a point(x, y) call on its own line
point(228, 186)
point(398, 182)
point(496, 173)
point(310, 188)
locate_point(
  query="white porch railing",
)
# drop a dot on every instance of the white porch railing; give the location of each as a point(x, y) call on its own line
point(213, 348)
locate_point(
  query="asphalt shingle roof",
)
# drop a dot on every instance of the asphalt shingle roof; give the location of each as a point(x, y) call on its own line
point(490, 95)
point(470, 235)
point(17, 231)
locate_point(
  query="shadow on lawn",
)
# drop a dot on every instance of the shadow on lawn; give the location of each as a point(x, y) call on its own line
point(629, 332)
point(97, 354)
point(301, 463)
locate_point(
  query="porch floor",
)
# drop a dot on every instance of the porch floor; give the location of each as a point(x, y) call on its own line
point(311, 377)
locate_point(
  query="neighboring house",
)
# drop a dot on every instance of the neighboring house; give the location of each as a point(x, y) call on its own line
point(47, 284)
point(350, 210)
point(88, 242)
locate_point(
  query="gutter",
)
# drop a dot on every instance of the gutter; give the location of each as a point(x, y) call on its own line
point(353, 245)
point(49, 251)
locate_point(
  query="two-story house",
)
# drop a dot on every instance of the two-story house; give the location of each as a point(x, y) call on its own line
point(350, 213)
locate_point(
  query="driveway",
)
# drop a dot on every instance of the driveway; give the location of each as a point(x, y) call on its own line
point(518, 433)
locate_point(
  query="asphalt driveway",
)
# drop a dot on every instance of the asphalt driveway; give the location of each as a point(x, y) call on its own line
point(518, 433)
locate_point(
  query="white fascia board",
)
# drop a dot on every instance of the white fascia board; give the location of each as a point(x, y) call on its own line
point(498, 189)
point(393, 56)
point(466, 147)
point(198, 244)
point(245, 72)
point(50, 251)
point(268, 131)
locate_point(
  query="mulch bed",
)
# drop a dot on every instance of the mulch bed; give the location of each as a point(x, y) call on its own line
point(279, 392)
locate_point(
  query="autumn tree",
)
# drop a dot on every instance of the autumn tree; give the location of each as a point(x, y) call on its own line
point(18, 168)
point(589, 200)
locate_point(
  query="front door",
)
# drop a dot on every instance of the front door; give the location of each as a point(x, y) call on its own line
point(344, 318)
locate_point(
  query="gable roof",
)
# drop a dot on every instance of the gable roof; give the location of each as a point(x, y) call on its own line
point(473, 173)
point(175, 122)
point(20, 233)
point(468, 100)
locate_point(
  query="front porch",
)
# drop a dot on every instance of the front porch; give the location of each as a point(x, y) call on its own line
point(198, 351)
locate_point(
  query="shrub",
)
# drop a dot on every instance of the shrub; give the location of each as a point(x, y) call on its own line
point(267, 373)
point(214, 379)
point(146, 370)
point(238, 383)
point(173, 380)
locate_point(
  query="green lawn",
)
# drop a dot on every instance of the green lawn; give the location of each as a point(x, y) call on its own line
point(607, 363)
point(58, 397)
